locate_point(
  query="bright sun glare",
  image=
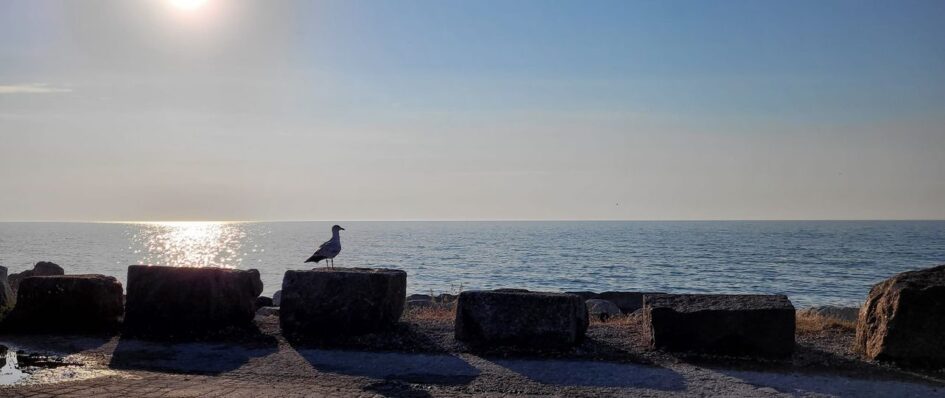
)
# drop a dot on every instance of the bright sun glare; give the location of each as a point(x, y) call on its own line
point(187, 5)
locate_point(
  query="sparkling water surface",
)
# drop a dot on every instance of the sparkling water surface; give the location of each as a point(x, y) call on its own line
point(813, 262)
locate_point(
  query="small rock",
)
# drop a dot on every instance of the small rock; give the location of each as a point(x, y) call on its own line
point(263, 301)
point(445, 298)
point(848, 314)
point(628, 302)
point(601, 309)
point(277, 298)
point(42, 268)
point(419, 297)
point(267, 311)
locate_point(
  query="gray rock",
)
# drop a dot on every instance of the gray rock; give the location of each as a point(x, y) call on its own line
point(602, 309)
point(628, 302)
point(181, 302)
point(267, 311)
point(277, 298)
point(419, 297)
point(524, 319)
point(903, 319)
point(263, 301)
point(760, 325)
point(848, 314)
point(445, 298)
point(42, 268)
point(66, 304)
point(341, 301)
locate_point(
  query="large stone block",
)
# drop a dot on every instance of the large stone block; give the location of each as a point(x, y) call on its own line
point(66, 304)
point(525, 319)
point(338, 301)
point(721, 324)
point(903, 319)
point(180, 302)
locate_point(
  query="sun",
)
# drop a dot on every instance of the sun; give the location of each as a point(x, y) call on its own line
point(187, 5)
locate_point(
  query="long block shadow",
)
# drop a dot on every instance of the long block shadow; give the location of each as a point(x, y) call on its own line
point(442, 369)
point(585, 373)
point(192, 356)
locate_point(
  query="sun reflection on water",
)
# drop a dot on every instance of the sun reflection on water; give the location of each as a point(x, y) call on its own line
point(191, 244)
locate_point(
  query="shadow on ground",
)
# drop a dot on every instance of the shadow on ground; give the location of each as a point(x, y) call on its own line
point(186, 357)
point(441, 369)
point(59, 344)
point(803, 384)
point(595, 374)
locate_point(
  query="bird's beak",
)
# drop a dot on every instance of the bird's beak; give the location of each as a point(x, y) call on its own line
point(341, 228)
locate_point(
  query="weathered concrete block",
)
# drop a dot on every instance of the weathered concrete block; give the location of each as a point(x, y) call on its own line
point(66, 304)
point(903, 319)
point(526, 319)
point(721, 324)
point(336, 301)
point(179, 302)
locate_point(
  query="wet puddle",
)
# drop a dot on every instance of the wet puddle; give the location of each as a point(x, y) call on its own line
point(18, 367)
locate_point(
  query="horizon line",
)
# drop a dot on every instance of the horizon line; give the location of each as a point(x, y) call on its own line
point(469, 220)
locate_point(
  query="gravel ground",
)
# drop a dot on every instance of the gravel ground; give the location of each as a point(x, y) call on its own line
point(419, 358)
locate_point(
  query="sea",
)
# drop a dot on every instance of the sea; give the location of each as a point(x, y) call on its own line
point(813, 262)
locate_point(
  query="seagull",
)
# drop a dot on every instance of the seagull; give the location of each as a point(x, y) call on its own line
point(328, 250)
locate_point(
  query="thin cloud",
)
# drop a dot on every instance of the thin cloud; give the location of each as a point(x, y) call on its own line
point(33, 88)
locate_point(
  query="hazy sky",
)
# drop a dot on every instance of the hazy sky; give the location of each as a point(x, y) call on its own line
point(340, 110)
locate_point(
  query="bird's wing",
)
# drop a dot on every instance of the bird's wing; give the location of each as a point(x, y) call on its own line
point(327, 248)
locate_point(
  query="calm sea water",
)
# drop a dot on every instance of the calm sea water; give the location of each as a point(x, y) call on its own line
point(815, 263)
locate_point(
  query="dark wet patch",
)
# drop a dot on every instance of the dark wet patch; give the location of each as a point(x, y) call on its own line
point(17, 366)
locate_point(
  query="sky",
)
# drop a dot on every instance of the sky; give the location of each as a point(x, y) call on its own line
point(464, 110)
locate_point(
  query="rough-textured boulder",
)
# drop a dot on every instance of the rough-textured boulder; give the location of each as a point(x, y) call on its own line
point(847, 314)
point(903, 319)
point(524, 319)
point(277, 298)
point(181, 302)
point(66, 304)
point(263, 301)
point(42, 268)
point(7, 298)
point(602, 309)
point(721, 324)
point(341, 301)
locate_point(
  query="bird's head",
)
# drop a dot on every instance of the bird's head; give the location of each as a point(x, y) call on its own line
point(337, 228)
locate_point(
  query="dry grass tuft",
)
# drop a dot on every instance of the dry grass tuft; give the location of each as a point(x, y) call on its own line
point(439, 313)
point(812, 323)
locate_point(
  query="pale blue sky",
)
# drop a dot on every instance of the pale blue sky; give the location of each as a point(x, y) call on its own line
point(239, 110)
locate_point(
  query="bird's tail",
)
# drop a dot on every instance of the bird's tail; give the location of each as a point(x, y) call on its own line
point(315, 259)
